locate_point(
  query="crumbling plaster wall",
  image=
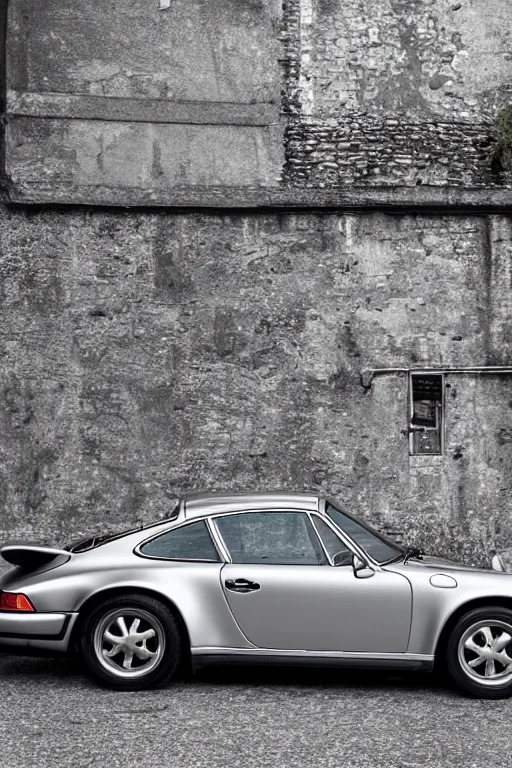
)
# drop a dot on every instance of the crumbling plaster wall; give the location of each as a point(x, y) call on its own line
point(146, 354)
point(128, 102)
point(394, 91)
point(198, 50)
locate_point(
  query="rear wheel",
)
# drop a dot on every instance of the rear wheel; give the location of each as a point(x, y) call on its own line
point(479, 652)
point(130, 643)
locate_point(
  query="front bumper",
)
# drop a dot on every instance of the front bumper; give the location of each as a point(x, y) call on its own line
point(33, 631)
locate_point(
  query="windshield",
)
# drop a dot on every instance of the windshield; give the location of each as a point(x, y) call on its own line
point(379, 548)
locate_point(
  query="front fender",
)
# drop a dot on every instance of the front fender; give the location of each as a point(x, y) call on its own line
point(433, 606)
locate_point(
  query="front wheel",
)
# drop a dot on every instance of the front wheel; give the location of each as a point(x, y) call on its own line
point(479, 652)
point(130, 643)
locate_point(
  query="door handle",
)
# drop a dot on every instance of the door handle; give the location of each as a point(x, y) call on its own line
point(241, 585)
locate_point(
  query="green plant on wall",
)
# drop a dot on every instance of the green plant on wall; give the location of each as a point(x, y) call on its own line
point(501, 154)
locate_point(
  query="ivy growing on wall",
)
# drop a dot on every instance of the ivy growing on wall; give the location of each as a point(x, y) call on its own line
point(501, 154)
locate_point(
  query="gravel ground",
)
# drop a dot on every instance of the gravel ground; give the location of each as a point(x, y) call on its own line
point(53, 716)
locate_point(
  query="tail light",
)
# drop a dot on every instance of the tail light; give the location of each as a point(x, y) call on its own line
point(10, 601)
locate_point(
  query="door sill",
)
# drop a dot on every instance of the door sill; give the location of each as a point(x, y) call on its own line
point(205, 656)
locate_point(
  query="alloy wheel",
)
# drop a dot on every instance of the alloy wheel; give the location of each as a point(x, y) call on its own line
point(129, 642)
point(485, 652)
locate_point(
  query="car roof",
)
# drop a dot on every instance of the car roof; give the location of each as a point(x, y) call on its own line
point(200, 504)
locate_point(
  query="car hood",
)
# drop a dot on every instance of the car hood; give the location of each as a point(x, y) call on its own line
point(436, 563)
point(431, 560)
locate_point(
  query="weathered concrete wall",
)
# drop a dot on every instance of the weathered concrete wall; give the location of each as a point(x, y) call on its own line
point(394, 91)
point(126, 156)
point(148, 354)
point(195, 50)
point(260, 99)
point(139, 97)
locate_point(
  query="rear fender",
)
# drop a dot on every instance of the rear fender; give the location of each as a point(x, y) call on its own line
point(193, 588)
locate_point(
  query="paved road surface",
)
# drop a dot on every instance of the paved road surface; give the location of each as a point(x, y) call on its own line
point(53, 717)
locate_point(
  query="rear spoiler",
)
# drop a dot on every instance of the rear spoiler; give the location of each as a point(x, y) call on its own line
point(29, 557)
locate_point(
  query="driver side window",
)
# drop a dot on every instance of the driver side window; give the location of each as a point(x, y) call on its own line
point(272, 538)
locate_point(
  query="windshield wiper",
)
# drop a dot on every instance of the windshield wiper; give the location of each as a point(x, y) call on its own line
point(412, 552)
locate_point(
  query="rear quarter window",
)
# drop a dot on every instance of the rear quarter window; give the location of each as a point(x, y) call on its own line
point(189, 542)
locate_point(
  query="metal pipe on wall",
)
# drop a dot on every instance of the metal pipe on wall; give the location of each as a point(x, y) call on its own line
point(369, 374)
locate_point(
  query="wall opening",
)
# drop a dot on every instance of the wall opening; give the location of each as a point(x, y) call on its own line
point(426, 408)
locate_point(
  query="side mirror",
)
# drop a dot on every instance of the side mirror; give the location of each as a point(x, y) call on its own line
point(497, 563)
point(342, 558)
point(361, 569)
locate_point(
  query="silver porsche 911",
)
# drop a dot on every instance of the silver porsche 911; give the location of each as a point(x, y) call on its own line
point(268, 578)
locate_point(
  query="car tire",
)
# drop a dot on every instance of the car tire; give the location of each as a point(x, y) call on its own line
point(477, 652)
point(131, 643)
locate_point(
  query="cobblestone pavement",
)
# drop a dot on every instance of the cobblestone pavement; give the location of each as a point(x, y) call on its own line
point(53, 716)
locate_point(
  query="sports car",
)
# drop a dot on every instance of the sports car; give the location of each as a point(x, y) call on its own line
point(271, 578)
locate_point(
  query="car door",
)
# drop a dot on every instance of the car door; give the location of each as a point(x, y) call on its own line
point(284, 593)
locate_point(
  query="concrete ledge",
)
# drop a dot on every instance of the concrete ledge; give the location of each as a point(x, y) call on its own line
point(280, 198)
point(85, 107)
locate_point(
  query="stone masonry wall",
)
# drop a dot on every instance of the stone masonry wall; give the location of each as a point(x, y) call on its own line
point(394, 91)
point(148, 354)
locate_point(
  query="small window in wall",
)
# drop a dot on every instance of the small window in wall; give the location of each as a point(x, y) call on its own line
point(426, 430)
